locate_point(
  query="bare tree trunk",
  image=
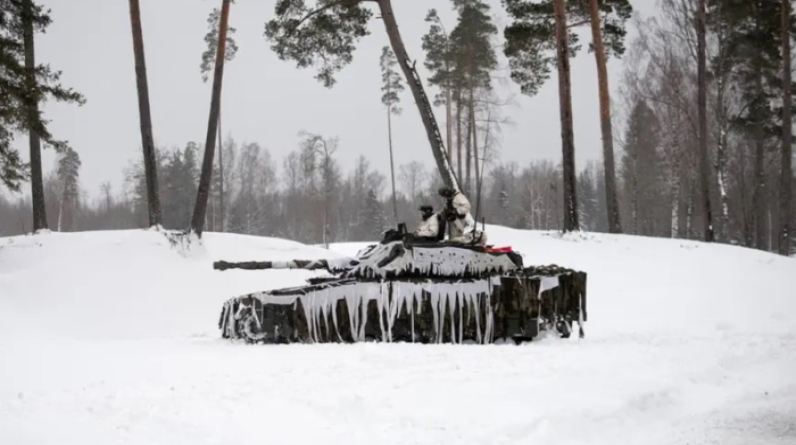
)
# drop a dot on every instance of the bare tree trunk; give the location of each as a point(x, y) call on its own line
point(419, 94)
point(690, 212)
point(480, 170)
point(459, 170)
point(221, 172)
point(787, 126)
point(468, 144)
point(36, 175)
point(534, 214)
point(60, 210)
point(448, 122)
point(723, 128)
point(748, 214)
point(759, 183)
point(704, 168)
point(392, 167)
point(200, 208)
point(676, 180)
point(675, 204)
point(614, 219)
point(634, 211)
point(721, 166)
point(475, 151)
point(565, 103)
point(145, 117)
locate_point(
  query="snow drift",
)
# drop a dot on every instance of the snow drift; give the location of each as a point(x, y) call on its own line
point(110, 337)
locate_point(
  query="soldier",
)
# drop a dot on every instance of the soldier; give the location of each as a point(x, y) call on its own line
point(457, 211)
point(432, 228)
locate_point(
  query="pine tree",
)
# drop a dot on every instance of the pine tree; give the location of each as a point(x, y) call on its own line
point(68, 173)
point(786, 172)
point(530, 42)
point(755, 45)
point(203, 191)
point(565, 105)
point(606, 128)
point(325, 35)
point(23, 85)
point(172, 190)
point(641, 166)
point(587, 198)
point(211, 40)
point(461, 64)
point(391, 87)
point(439, 61)
point(145, 117)
point(702, 95)
point(373, 219)
point(474, 59)
point(208, 60)
point(436, 44)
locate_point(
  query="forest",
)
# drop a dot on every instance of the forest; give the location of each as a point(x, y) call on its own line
point(696, 130)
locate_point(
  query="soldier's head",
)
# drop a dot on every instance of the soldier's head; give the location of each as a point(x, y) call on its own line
point(425, 211)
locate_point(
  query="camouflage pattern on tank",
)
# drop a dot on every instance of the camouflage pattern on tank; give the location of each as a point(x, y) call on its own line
point(411, 292)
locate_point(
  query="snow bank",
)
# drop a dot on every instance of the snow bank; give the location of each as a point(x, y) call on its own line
point(132, 284)
point(110, 338)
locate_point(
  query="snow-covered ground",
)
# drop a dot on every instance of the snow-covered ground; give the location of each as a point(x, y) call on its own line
point(110, 338)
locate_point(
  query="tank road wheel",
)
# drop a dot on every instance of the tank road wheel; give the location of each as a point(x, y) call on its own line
point(564, 328)
point(251, 329)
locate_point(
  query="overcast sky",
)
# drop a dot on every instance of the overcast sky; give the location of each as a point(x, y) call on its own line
point(264, 99)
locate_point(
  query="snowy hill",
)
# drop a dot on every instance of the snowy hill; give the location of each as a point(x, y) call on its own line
point(110, 338)
point(131, 283)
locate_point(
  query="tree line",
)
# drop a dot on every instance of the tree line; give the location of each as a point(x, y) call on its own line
point(706, 96)
point(703, 117)
point(306, 196)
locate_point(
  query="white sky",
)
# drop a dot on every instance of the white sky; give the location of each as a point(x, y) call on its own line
point(264, 99)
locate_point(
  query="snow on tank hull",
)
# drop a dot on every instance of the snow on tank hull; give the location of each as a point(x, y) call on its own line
point(411, 292)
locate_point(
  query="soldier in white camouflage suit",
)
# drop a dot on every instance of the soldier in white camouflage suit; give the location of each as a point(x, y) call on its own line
point(457, 211)
point(432, 226)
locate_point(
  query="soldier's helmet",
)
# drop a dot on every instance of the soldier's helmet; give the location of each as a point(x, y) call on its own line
point(446, 192)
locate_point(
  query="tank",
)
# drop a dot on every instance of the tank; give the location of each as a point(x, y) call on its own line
point(408, 290)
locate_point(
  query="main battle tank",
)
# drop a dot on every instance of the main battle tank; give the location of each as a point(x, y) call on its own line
point(409, 290)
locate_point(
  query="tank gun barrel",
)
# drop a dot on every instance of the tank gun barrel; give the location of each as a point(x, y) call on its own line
point(330, 266)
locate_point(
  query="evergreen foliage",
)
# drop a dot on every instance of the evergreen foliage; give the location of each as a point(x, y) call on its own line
point(473, 54)
point(588, 201)
point(753, 52)
point(19, 97)
point(391, 84)
point(324, 36)
point(640, 168)
point(438, 56)
point(530, 38)
point(211, 40)
point(373, 220)
point(68, 173)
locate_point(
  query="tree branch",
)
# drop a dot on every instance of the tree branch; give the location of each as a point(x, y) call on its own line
point(576, 24)
point(317, 11)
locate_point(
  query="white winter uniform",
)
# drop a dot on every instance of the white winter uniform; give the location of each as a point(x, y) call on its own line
point(464, 225)
point(429, 227)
